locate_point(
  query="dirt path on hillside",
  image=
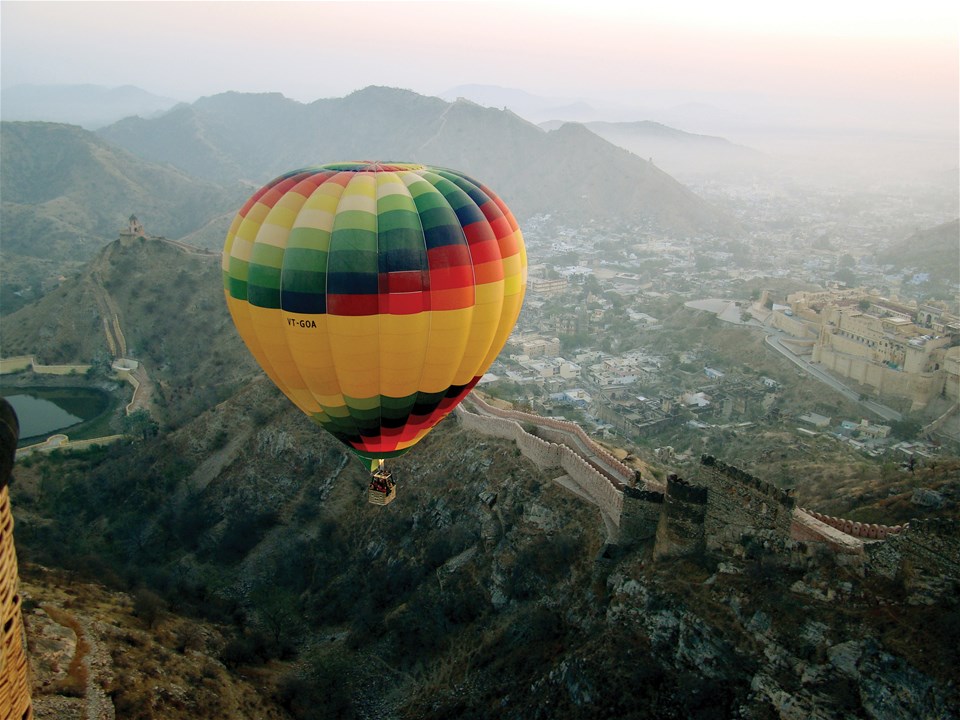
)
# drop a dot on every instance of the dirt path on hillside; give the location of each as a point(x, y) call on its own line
point(108, 308)
point(144, 392)
point(59, 638)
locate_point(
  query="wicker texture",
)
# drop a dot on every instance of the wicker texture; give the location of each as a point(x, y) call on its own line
point(14, 691)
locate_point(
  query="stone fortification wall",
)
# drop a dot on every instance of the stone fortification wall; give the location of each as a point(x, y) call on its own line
point(740, 504)
point(562, 436)
point(919, 388)
point(869, 531)
point(681, 525)
point(29, 362)
point(728, 506)
point(930, 547)
point(806, 528)
point(495, 427)
point(795, 327)
point(640, 515)
point(624, 473)
point(546, 455)
point(603, 493)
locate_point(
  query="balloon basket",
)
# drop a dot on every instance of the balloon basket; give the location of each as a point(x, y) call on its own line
point(383, 490)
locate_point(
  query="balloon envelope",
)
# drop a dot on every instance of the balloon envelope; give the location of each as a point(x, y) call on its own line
point(375, 295)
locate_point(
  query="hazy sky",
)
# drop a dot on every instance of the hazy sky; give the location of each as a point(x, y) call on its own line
point(844, 62)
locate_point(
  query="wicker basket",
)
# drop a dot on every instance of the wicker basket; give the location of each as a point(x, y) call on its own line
point(14, 693)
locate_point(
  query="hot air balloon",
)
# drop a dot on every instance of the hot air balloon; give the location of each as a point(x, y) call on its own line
point(375, 296)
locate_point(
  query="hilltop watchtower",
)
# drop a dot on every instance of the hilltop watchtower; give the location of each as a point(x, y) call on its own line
point(134, 228)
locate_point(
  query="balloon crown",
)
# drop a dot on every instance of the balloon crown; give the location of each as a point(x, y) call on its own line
point(372, 166)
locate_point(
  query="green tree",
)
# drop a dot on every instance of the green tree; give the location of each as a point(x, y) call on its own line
point(906, 429)
point(278, 613)
point(139, 424)
point(148, 606)
point(846, 276)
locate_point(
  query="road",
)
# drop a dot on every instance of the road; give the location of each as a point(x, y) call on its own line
point(728, 311)
point(773, 339)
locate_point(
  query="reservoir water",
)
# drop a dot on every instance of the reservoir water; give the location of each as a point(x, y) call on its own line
point(44, 411)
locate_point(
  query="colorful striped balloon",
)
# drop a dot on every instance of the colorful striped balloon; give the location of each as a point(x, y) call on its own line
point(375, 295)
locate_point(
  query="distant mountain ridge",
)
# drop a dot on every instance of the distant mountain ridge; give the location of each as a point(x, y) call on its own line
point(90, 106)
point(570, 171)
point(525, 104)
point(935, 251)
point(66, 192)
point(681, 154)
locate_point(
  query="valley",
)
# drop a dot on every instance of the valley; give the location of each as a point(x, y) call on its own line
point(722, 558)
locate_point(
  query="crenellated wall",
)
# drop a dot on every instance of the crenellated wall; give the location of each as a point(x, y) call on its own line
point(930, 547)
point(607, 497)
point(723, 506)
point(495, 427)
point(869, 531)
point(640, 514)
point(543, 453)
point(805, 528)
point(680, 530)
point(740, 504)
point(621, 473)
point(548, 455)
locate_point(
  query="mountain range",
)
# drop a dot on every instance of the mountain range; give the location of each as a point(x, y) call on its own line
point(934, 251)
point(569, 171)
point(67, 192)
point(247, 575)
point(681, 154)
point(90, 106)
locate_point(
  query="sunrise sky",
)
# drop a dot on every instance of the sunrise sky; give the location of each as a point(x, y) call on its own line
point(843, 63)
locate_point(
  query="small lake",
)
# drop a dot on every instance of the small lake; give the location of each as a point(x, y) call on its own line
point(44, 411)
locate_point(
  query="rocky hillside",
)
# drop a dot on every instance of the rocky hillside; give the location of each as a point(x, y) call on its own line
point(96, 652)
point(66, 192)
point(167, 301)
point(932, 252)
point(484, 590)
point(236, 552)
point(567, 171)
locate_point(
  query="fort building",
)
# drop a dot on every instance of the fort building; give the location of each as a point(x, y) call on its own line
point(897, 350)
